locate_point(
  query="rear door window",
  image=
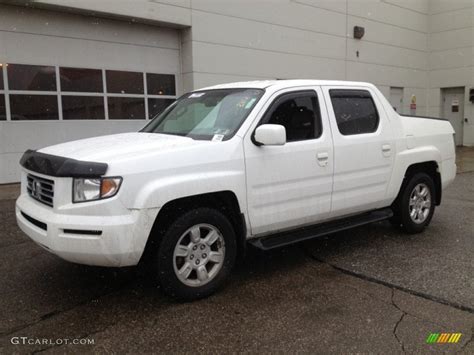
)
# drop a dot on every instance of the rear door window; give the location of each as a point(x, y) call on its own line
point(355, 111)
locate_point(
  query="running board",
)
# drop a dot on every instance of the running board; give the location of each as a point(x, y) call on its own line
point(319, 230)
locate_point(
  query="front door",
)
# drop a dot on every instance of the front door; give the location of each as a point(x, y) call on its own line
point(453, 110)
point(290, 185)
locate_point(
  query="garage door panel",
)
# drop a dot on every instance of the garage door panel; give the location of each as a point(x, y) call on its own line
point(47, 23)
point(19, 47)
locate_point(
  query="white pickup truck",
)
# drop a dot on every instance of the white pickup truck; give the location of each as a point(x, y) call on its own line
point(267, 163)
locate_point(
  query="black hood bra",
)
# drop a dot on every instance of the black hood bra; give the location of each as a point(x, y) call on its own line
point(53, 165)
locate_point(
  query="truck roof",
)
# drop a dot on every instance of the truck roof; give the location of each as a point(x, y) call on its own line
point(263, 84)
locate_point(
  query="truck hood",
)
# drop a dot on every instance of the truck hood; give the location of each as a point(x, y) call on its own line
point(119, 146)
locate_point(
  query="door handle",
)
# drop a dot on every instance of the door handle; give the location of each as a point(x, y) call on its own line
point(323, 158)
point(386, 150)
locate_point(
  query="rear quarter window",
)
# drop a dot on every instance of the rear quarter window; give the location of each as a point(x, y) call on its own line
point(355, 111)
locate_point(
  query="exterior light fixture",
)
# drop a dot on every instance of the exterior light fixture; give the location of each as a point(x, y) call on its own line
point(359, 32)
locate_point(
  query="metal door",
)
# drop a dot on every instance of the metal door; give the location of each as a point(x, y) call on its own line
point(453, 110)
point(396, 99)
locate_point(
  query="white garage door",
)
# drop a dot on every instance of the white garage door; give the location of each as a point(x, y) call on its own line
point(66, 77)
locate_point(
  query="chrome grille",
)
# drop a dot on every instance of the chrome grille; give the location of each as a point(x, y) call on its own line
point(40, 189)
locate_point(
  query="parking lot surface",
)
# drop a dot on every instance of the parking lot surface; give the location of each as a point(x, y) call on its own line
point(371, 289)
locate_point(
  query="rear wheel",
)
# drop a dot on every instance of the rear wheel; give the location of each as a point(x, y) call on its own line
point(416, 204)
point(196, 254)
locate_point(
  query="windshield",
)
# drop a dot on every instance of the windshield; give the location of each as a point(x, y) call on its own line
point(208, 115)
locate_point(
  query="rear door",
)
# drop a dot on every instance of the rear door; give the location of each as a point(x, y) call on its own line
point(363, 149)
point(290, 185)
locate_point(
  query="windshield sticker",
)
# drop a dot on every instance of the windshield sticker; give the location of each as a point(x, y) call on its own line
point(218, 137)
point(250, 103)
point(196, 94)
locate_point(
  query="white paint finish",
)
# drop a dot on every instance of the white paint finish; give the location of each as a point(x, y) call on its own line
point(388, 13)
point(450, 97)
point(360, 184)
point(141, 10)
point(116, 246)
point(396, 99)
point(269, 37)
point(270, 135)
point(157, 169)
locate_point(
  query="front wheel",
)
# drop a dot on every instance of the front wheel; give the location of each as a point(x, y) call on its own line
point(196, 254)
point(416, 204)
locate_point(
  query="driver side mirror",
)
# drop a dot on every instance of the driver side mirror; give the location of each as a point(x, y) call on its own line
point(270, 134)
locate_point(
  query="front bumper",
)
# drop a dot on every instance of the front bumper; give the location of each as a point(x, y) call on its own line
point(121, 240)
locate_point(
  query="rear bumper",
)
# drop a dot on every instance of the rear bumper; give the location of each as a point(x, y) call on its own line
point(117, 240)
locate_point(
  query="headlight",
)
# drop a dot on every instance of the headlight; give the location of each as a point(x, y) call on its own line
point(95, 189)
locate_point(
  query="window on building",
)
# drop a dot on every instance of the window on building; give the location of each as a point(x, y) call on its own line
point(83, 93)
point(299, 113)
point(1, 76)
point(3, 112)
point(355, 111)
point(126, 108)
point(160, 84)
point(34, 107)
point(83, 107)
point(31, 77)
point(124, 82)
point(157, 106)
point(81, 80)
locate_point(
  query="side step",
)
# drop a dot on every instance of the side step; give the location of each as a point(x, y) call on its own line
point(319, 230)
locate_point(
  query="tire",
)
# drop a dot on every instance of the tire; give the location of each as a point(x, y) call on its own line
point(415, 205)
point(196, 254)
